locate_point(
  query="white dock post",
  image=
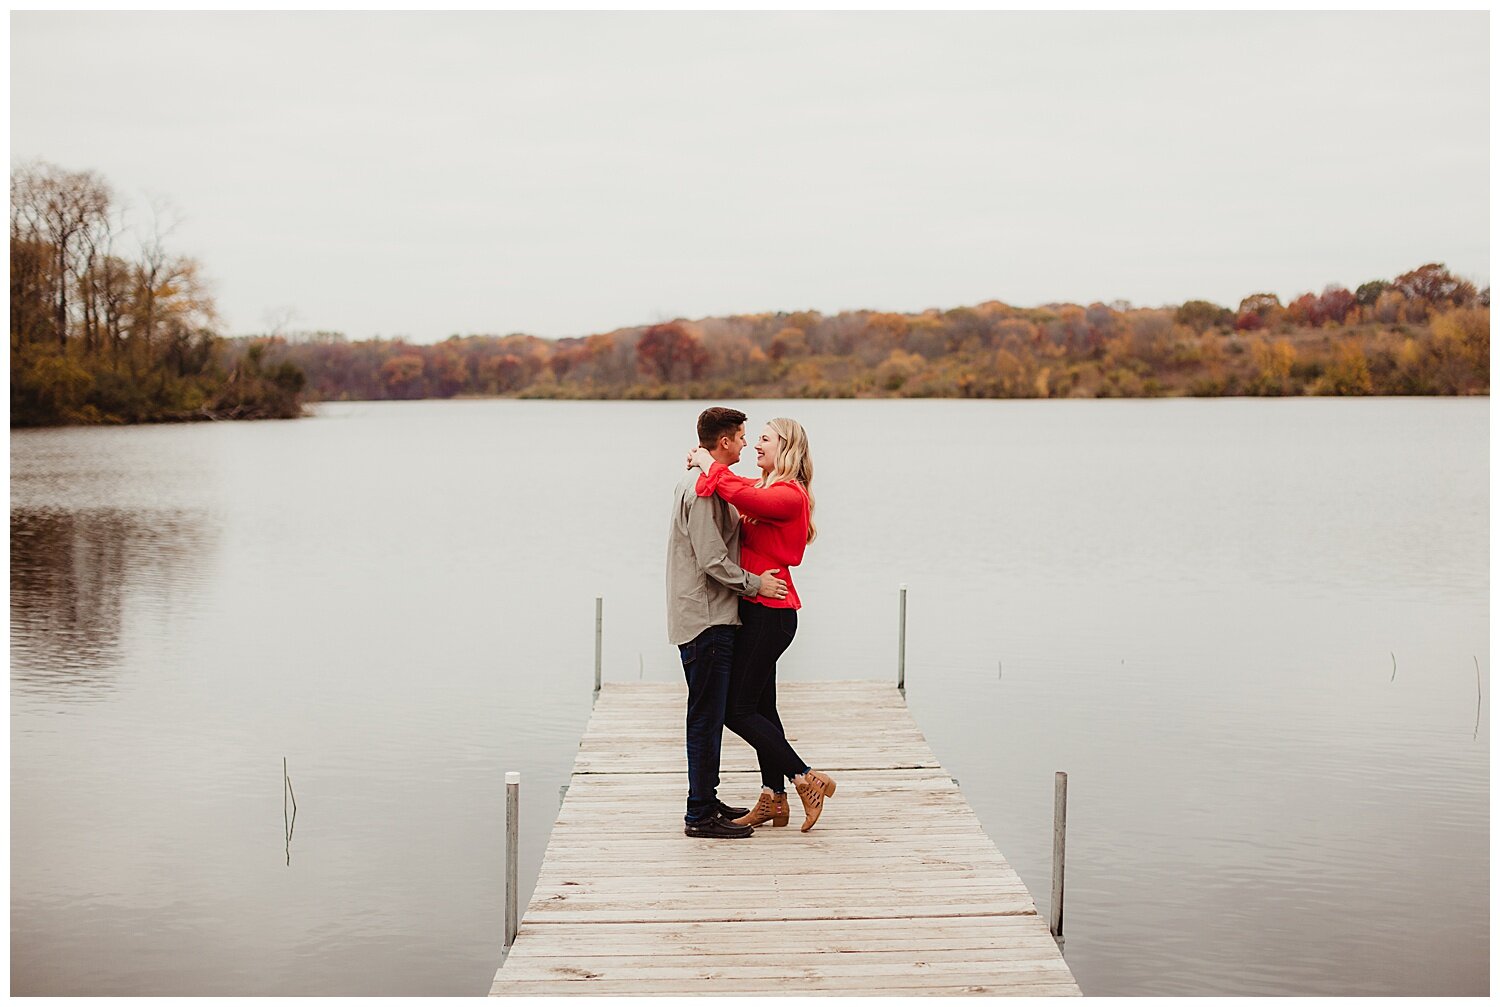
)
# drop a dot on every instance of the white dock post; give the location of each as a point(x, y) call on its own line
point(1059, 841)
point(512, 835)
point(901, 647)
point(598, 644)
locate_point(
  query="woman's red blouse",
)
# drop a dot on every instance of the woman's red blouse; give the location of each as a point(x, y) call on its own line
point(774, 535)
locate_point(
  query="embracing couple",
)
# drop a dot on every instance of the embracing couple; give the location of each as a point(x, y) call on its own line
point(732, 611)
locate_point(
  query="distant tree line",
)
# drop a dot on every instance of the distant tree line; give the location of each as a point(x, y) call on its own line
point(1425, 332)
point(101, 336)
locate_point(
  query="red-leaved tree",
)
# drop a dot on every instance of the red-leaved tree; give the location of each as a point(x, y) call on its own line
point(669, 352)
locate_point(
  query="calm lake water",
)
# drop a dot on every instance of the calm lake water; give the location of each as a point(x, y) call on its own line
point(1248, 630)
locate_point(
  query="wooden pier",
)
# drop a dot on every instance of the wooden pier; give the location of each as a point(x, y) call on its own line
point(896, 891)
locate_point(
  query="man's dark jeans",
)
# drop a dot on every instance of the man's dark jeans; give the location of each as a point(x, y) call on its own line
point(706, 661)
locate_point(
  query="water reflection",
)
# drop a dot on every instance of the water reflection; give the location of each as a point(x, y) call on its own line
point(384, 600)
point(77, 578)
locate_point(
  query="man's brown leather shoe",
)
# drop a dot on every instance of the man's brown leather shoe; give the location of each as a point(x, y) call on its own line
point(714, 827)
point(731, 813)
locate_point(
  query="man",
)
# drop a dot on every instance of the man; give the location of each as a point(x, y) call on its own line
point(704, 583)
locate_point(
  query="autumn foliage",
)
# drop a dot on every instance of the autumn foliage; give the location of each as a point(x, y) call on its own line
point(101, 336)
point(1422, 333)
point(671, 352)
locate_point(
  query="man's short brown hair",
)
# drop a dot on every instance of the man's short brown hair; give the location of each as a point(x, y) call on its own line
point(718, 422)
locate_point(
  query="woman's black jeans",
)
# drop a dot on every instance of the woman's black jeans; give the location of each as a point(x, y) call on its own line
point(765, 633)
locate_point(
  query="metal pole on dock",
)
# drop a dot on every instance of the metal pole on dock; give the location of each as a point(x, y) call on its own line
point(1059, 841)
point(901, 647)
point(512, 835)
point(598, 645)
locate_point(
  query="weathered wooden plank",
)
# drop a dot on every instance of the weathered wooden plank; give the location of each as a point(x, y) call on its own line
point(811, 963)
point(729, 885)
point(896, 892)
point(856, 937)
point(1031, 965)
point(694, 915)
point(915, 985)
point(834, 844)
point(557, 871)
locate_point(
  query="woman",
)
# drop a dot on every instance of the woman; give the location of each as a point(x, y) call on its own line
point(778, 525)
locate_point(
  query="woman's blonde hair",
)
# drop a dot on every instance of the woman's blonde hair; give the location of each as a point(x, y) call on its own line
point(793, 463)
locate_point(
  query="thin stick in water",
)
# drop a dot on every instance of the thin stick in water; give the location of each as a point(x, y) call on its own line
point(1393, 666)
point(1479, 704)
point(289, 823)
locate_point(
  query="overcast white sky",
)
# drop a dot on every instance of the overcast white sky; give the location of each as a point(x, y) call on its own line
point(562, 174)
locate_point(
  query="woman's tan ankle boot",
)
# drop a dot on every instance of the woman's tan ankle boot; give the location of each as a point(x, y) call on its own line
point(770, 808)
point(813, 791)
